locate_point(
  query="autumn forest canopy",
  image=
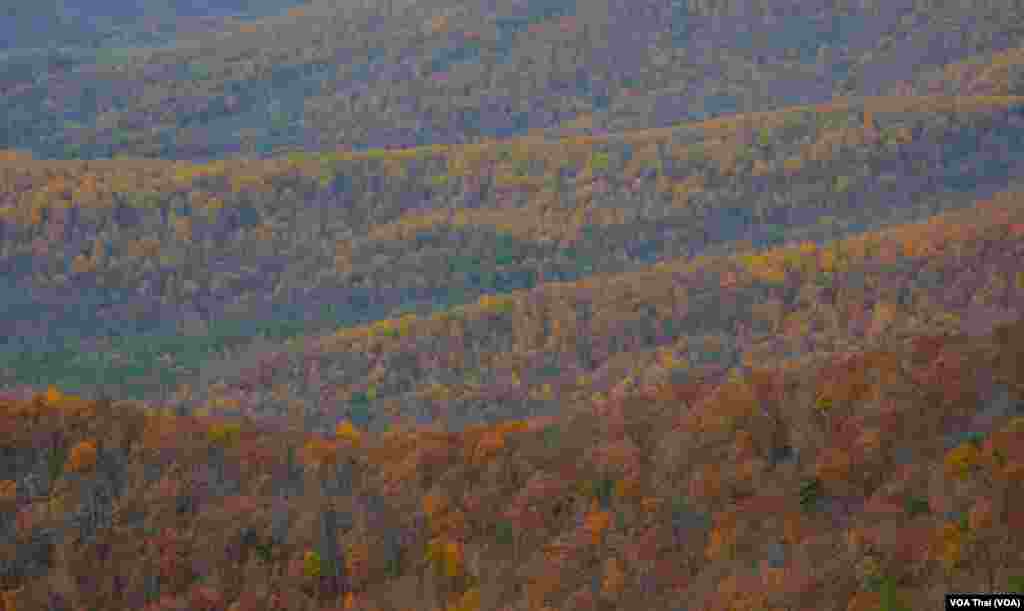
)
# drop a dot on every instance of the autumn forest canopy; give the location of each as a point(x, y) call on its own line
point(410, 305)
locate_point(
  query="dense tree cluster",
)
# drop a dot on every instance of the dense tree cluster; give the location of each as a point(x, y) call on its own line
point(545, 305)
point(322, 76)
point(223, 251)
point(835, 481)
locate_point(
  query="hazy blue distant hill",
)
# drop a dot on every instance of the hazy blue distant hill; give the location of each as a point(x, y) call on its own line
point(324, 75)
point(65, 23)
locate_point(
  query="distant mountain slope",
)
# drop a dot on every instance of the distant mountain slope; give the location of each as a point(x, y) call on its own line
point(321, 75)
point(174, 268)
point(71, 24)
point(530, 353)
point(155, 274)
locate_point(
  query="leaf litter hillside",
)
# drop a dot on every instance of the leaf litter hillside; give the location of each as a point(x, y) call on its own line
point(521, 368)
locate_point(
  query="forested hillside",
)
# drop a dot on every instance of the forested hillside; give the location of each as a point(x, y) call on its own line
point(410, 305)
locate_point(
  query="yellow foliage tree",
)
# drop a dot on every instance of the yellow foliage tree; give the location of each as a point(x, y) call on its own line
point(628, 488)
point(721, 539)
point(435, 504)
point(468, 601)
point(8, 490)
point(614, 577)
point(447, 557)
point(960, 460)
point(82, 457)
point(53, 395)
point(224, 434)
point(596, 522)
point(454, 559)
point(950, 546)
point(345, 431)
point(311, 564)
